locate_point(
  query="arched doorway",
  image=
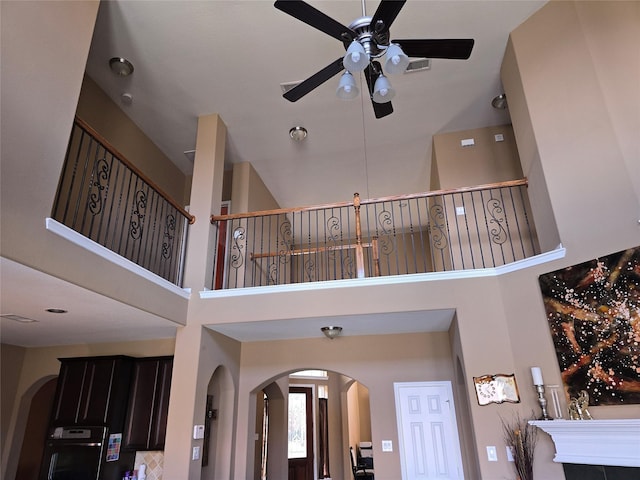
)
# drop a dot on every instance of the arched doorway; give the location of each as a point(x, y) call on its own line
point(35, 430)
point(216, 456)
point(340, 418)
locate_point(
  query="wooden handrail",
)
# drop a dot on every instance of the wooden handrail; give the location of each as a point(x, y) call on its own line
point(434, 193)
point(114, 151)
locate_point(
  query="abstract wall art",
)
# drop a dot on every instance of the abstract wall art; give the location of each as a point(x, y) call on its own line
point(593, 310)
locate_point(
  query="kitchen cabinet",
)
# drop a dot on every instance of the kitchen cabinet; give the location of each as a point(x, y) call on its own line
point(92, 391)
point(146, 422)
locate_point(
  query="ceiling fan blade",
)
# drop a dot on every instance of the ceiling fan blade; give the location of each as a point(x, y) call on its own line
point(315, 18)
point(386, 13)
point(371, 74)
point(457, 49)
point(315, 80)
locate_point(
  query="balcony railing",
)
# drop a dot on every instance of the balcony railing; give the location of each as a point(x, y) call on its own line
point(468, 228)
point(104, 197)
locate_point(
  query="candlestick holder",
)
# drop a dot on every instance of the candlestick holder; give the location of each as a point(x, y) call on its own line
point(543, 402)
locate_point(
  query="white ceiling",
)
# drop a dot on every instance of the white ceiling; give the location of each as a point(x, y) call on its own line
point(91, 318)
point(195, 58)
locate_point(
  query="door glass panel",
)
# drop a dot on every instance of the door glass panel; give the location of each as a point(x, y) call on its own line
point(297, 425)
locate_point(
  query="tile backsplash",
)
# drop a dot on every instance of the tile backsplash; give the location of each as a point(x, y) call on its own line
point(154, 461)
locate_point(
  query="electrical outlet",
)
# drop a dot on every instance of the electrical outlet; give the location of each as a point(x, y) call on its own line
point(509, 453)
point(492, 454)
point(196, 453)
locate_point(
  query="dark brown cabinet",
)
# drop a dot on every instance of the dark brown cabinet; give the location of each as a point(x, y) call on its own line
point(92, 391)
point(146, 422)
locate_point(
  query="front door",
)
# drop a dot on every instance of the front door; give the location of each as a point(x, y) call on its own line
point(300, 433)
point(427, 431)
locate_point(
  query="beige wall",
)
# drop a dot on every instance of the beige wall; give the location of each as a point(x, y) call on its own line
point(11, 360)
point(576, 144)
point(415, 357)
point(40, 91)
point(574, 120)
point(487, 161)
point(108, 119)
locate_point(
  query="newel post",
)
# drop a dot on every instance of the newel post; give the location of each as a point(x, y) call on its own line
point(359, 249)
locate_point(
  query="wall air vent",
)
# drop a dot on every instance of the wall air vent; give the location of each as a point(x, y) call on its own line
point(418, 64)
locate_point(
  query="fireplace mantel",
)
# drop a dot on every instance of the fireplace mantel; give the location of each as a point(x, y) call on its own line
point(595, 442)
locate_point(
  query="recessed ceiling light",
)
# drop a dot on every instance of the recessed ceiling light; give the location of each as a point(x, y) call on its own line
point(298, 133)
point(499, 102)
point(56, 310)
point(121, 66)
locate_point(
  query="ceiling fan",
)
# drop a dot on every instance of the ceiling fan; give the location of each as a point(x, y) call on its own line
point(365, 40)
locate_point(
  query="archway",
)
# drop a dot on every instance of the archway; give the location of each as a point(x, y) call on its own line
point(31, 428)
point(341, 418)
point(216, 456)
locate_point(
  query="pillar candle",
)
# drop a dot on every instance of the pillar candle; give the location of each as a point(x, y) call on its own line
point(536, 373)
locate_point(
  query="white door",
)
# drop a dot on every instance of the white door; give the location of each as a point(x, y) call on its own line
point(427, 431)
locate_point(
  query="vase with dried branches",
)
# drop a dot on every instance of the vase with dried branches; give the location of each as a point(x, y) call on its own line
point(522, 437)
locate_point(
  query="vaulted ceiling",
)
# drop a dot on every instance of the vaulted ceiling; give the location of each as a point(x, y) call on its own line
point(195, 58)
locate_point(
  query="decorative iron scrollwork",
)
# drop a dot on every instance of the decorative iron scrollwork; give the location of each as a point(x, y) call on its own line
point(237, 256)
point(169, 235)
point(272, 275)
point(99, 182)
point(136, 224)
point(310, 270)
point(334, 230)
point(347, 267)
point(286, 241)
point(386, 240)
point(496, 212)
point(438, 227)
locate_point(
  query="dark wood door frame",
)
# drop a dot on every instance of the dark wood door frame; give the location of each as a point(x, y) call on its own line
point(302, 468)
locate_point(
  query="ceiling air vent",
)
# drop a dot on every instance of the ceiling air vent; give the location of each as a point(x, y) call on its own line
point(17, 318)
point(418, 64)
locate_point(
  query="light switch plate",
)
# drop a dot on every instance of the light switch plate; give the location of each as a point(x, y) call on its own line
point(492, 454)
point(196, 453)
point(198, 432)
point(387, 446)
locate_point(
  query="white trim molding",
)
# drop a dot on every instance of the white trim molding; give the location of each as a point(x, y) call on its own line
point(595, 442)
point(74, 237)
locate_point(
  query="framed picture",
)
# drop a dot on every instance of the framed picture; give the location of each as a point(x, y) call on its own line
point(496, 388)
point(593, 310)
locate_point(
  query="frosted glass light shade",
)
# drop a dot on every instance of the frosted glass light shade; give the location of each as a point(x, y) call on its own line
point(356, 59)
point(397, 61)
point(382, 90)
point(347, 88)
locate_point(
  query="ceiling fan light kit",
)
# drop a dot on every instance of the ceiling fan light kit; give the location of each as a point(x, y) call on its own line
point(347, 88)
point(382, 90)
point(365, 40)
point(356, 59)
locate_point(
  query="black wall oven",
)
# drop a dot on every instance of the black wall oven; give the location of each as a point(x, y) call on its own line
point(80, 453)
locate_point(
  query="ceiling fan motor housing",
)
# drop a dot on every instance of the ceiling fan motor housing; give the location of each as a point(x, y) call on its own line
point(374, 41)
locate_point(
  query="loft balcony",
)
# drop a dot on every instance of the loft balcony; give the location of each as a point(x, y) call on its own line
point(463, 229)
point(105, 198)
